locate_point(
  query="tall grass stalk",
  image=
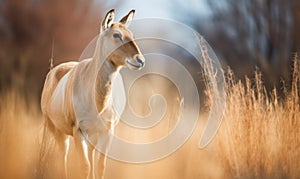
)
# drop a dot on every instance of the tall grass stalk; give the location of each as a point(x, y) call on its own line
point(260, 133)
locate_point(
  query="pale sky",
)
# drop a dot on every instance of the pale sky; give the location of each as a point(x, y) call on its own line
point(148, 8)
point(165, 9)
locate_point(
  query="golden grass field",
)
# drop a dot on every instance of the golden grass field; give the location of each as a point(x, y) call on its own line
point(259, 138)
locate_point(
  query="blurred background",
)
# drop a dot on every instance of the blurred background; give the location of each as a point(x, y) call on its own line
point(244, 34)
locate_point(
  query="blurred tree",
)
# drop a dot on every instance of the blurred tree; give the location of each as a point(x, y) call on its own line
point(28, 28)
point(249, 33)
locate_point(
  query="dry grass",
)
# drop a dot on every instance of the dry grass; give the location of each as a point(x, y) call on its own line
point(18, 135)
point(260, 135)
point(259, 138)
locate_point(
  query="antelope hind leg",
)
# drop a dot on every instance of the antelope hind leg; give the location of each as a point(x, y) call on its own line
point(63, 142)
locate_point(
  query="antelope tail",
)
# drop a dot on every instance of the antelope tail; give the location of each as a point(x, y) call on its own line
point(46, 147)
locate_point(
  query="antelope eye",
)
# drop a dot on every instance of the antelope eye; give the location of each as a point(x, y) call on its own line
point(117, 36)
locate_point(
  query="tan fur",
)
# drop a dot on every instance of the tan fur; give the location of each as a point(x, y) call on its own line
point(52, 79)
point(76, 95)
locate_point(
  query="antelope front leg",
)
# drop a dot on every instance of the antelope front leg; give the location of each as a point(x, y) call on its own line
point(100, 157)
point(100, 160)
point(85, 152)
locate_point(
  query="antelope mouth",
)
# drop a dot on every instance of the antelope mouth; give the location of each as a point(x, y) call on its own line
point(135, 65)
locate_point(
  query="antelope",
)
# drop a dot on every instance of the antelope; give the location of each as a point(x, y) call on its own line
point(76, 97)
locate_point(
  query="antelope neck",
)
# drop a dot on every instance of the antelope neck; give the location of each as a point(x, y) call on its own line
point(103, 86)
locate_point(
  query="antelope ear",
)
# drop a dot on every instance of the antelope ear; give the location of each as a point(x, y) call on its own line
point(108, 20)
point(128, 18)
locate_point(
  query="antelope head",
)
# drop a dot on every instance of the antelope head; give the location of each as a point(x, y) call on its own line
point(116, 36)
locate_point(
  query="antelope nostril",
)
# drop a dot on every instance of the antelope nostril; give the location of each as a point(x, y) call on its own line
point(139, 60)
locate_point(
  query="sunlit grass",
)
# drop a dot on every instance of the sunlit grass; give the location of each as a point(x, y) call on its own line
point(260, 135)
point(259, 138)
point(19, 133)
